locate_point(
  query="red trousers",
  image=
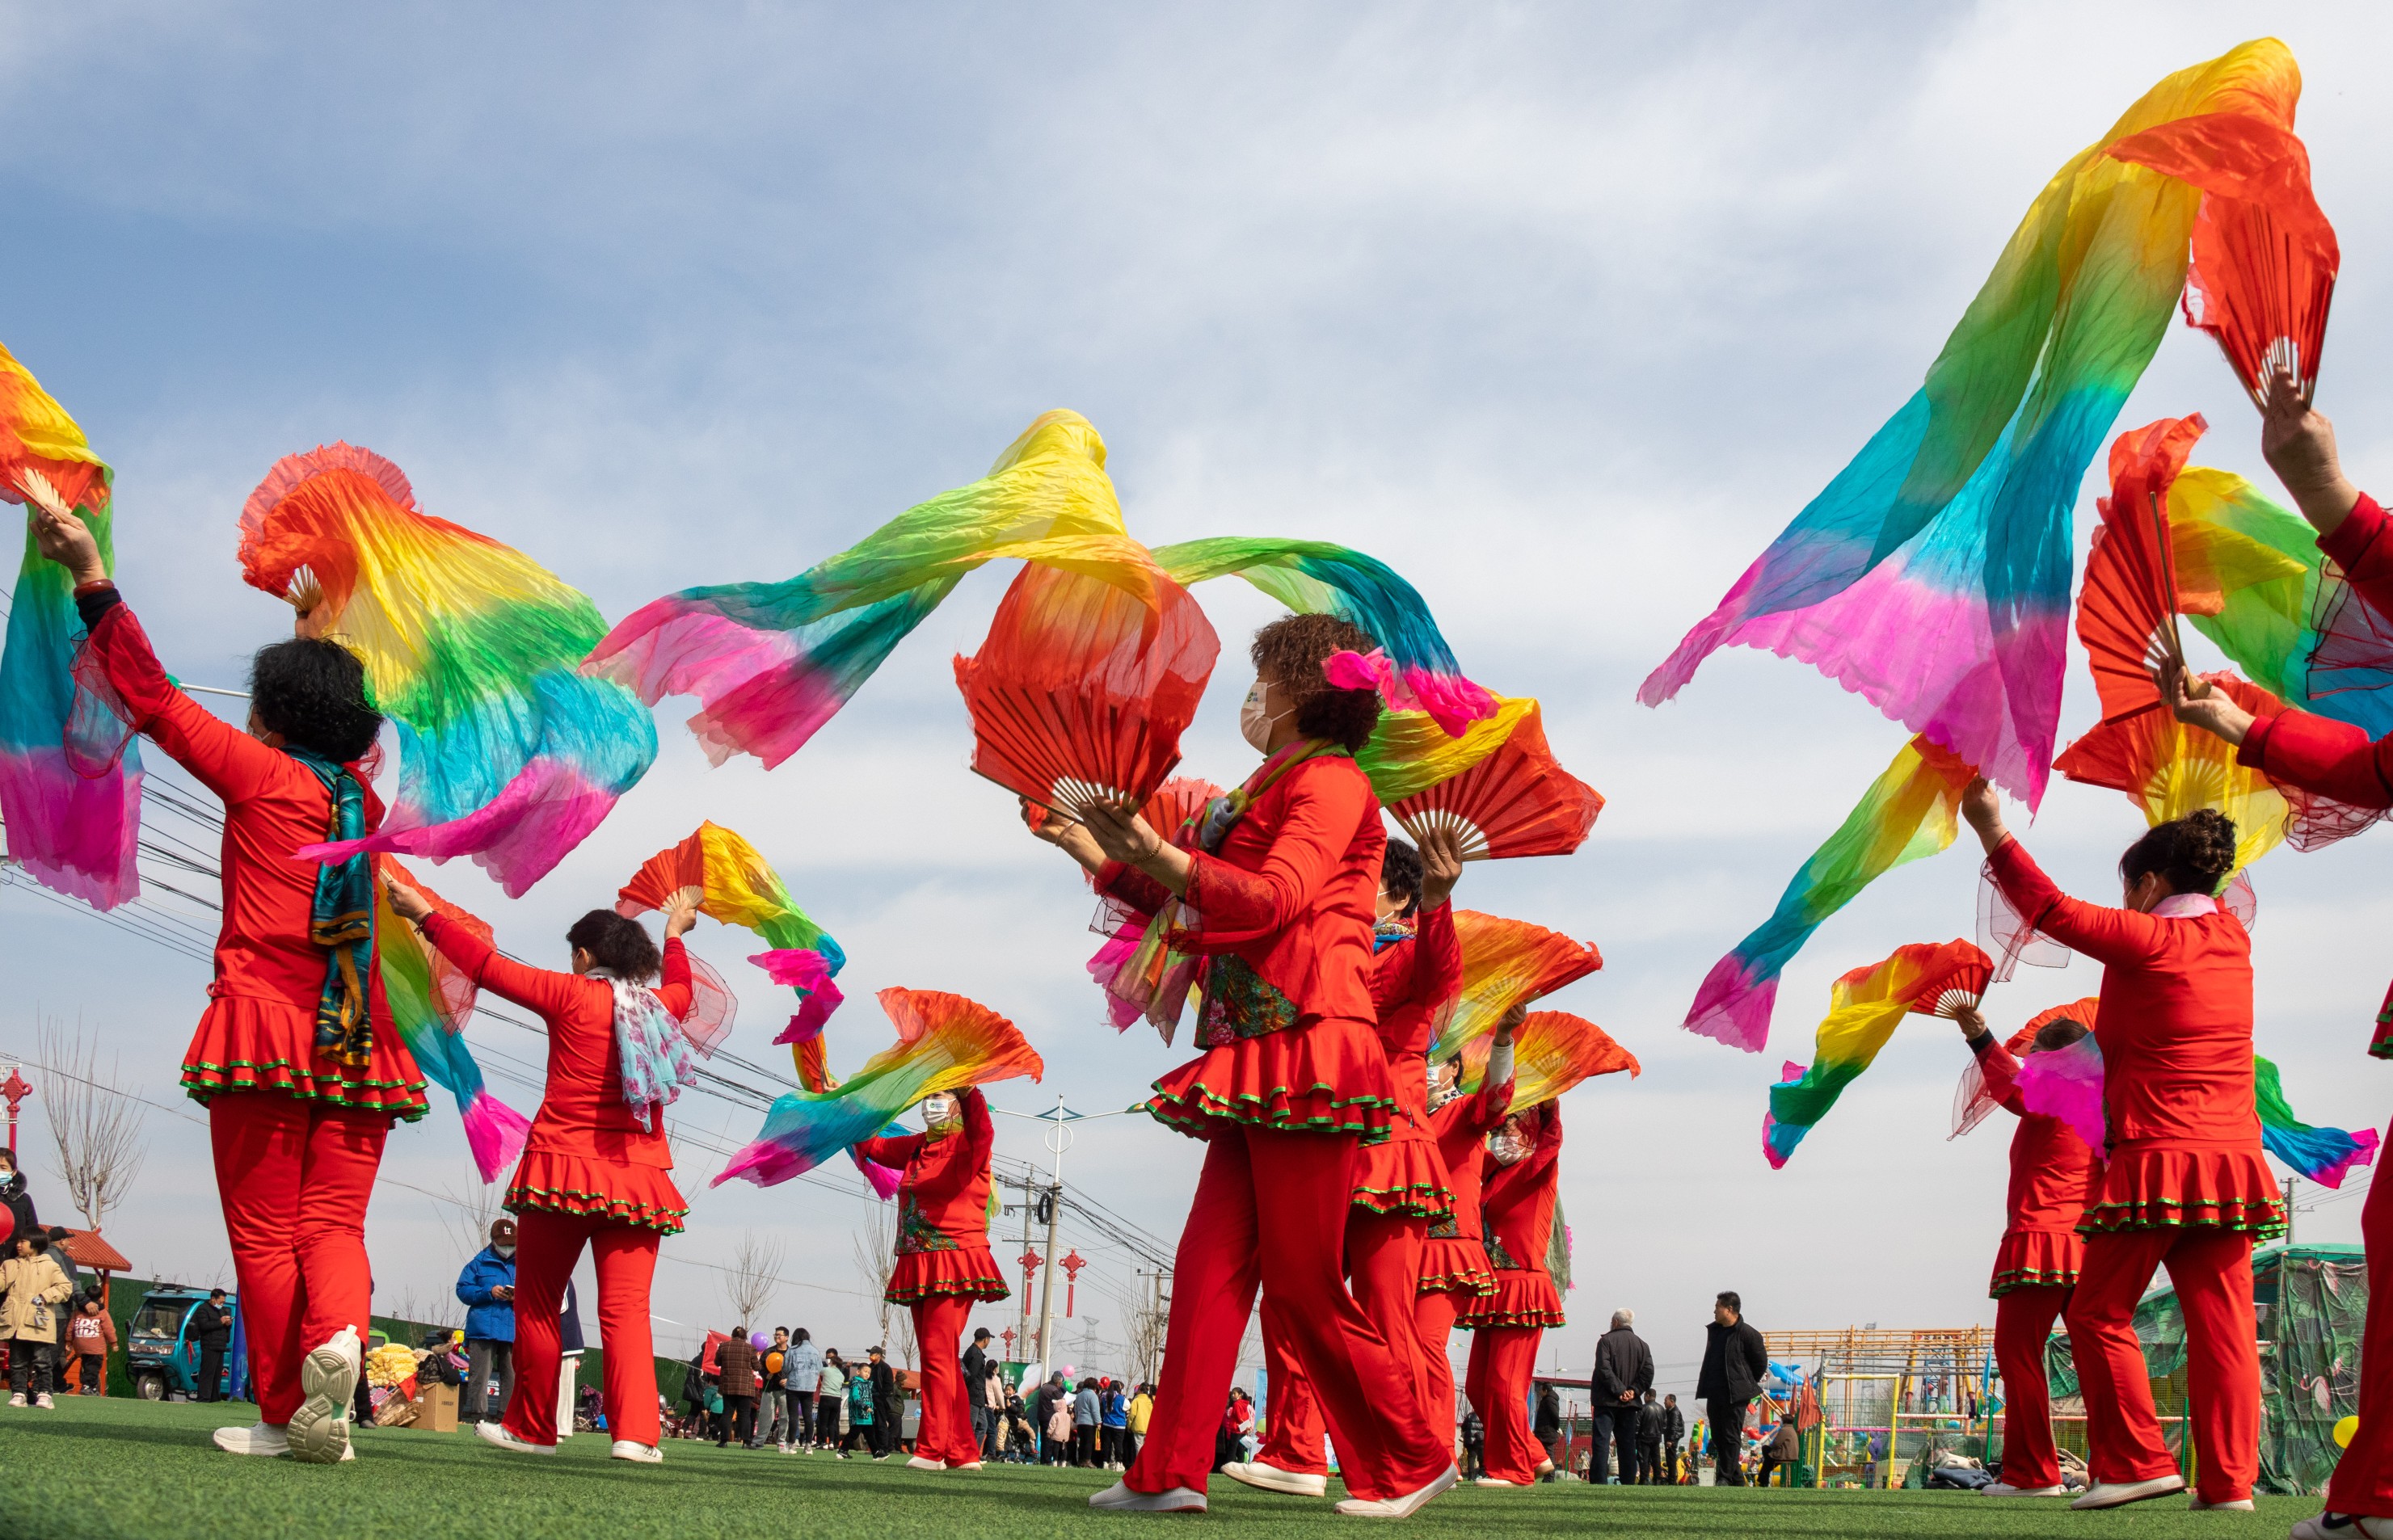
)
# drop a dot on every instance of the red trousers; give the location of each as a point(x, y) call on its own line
point(293, 1178)
point(2023, 1321)
point(1383, 1264)
point(1270, 1210)
point(1434, 1319)
point(2212, 1271)
point(547, 1246)
point(1503, 1359)
point(945, 1433)
point(2363, 1478)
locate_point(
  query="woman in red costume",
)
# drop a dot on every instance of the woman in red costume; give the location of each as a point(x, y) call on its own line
point(2334, 759)
point(296, 1059)
point(1400, 1185)
point(1523, 1174)
point(1456, 1273)
point(2183, 1181)
point(2037, 1264)
point(596, 1166)
point(943, 1260)
point(1274, 888)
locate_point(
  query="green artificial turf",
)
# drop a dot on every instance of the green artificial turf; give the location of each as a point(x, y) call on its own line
point(114, 1468)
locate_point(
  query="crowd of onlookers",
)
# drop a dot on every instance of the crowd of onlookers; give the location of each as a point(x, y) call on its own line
point(50, 1318)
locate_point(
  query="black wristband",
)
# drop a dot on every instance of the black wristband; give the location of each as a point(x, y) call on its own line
point(95, 601)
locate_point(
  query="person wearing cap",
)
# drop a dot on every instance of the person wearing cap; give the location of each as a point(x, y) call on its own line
point(486, 1288)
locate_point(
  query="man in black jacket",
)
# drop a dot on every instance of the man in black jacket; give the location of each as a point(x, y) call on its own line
point(1623, 1372)
point(1674, 1429)
point(1649, 1440)
point(1734, 1363)
point(888, 1407)
point(212, 1329)
point(975, 1366)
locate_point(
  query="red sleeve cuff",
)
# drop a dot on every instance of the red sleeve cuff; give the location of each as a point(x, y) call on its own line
point(2352, 540)
point(2252, 752)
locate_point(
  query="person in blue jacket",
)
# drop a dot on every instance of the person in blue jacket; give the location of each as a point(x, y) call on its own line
point(487, 1287)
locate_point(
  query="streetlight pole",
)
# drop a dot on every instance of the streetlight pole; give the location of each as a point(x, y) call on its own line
point(1058, 1138)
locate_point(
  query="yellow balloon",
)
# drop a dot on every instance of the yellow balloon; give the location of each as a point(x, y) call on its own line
point(2344, 1432)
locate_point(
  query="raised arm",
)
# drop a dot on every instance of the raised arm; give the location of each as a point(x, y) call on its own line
point(894, 1151)
point(673, 989)
point(2105, 935)
point(219, 756)
point(533, 988)
point(1426, 974)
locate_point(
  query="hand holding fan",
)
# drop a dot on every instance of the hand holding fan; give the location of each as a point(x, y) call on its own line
point(741, 889)
point(1865, 1007)
point(1973, 1102)
point(1408, 752)
point(2169, 769)
point(1143, 976)
point(2265, 258)
point(1551, 1054)
point(1518, 800)
point(1505, 963)
point(1081, 690)
point(945, 1043)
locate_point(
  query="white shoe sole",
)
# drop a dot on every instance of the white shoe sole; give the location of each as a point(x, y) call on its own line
point(318, 1434)
point(1119, 1498)
point(239, 1441)
point(1399, 1507)
point(2135, 1491)
point(637, 1454)
point(1270, 1478)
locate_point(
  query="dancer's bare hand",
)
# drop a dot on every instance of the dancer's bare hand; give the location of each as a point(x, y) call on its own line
point(1441, 854)
point(1065, 834)
point(405, 901)
point(66, 539)
point(681, 910)
point(2213, 709)
point(1981, 805)
point(2298, 443)
point(1509, 1023)
point(1971, 1020)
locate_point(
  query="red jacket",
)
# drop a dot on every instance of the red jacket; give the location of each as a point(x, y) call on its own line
point(1517, 1204)
point(1293, 890)
point(2318, 753)
point(1462, 1125)
point(2176, 1029)
point(2050, 1166)
point(582, 1112)
point(265, 963)
point(942, 1202)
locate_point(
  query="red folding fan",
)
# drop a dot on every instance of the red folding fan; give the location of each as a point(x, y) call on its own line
point(664, 874)
point(2127, 612)
point(1081, 690)
point(2265, 258)
point(1519, 800)
point(1957, 974)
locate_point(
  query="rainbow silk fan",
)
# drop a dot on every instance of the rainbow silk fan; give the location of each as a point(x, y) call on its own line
point(2265, 258)
point(1081, 690)
point(429, 1000)
point(2168, 770)
point(742, 889)
point(1865, 1007)
point(507, 753)
point(945, 1043)
point(1519, 800)
point(1972, 1103)
point(1141, 974)
point(1408, 752)
point(1553, 1052)
point(70, 775)
point(1505, 963)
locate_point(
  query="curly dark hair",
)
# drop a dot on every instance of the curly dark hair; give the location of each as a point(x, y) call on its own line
point(620, 946)
point(2058, 1033)
point(312, 690)
point(2194, 853)
point(1400, 871)
point(1290, 651)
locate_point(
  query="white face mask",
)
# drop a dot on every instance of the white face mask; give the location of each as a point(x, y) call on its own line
point(504, 1251)
point(1254, 725)
point(1506, 1147)
point(937, 1110)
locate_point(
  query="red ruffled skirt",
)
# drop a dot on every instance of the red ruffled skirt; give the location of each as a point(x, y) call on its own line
point(2161, 1185)
point(244, 1044)
point(968, 1272)
point(1327, 1077)
point(2036, 1259)
point(1404, 1174)
point(1524, 1296)
point(640, 1197)
point(1456, 1265)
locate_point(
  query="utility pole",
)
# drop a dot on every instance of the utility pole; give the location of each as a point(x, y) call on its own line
point(1026, 1206)
point(1058, 1140)
point(2289, 1211)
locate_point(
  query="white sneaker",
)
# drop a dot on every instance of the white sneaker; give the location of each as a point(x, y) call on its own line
point(2120, 1494)
point(15, 1401)
point(496, 1435)
point(45, 1402)
point(639, 1453)
point(2343, 1526)
point(1270, 1478)
point(1498, 1480)
point(1399, 1507)
point(319, 1432)
point(1121, 1499)
point(2233, 1505)
point(1998, 1490)
point(918, 1463)
point(262, 1438)
point(968, 1465)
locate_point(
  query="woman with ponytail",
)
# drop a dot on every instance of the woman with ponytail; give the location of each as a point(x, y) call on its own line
point(295, 1058)
point(1276, 888)
point(595, 1166)
point(2183, 1184)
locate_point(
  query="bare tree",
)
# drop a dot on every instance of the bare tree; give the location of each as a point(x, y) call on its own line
point(876, 1258)
point(96, 1126)
point(751, 1279)
point(1143, 1320)
point(468, 1216)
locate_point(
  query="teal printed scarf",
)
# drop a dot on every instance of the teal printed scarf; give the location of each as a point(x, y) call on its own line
point(341, 920)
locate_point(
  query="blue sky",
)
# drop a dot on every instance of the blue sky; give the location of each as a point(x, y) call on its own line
point(1562, 311)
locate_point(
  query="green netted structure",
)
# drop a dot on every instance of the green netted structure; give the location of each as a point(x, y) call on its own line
point(2311, 1301)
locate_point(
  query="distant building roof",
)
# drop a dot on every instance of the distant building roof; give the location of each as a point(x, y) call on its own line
point(84, 1248)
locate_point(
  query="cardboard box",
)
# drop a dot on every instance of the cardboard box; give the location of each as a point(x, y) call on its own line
point(436, 1408)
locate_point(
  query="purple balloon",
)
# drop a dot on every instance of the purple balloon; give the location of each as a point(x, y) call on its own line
point(759, 1342)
